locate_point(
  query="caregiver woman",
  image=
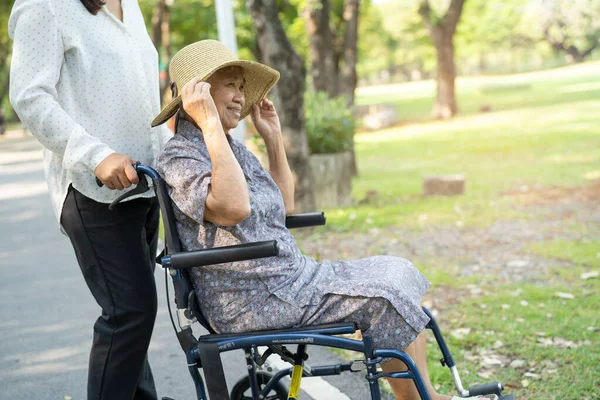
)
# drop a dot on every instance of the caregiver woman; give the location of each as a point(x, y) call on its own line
point(84, 80)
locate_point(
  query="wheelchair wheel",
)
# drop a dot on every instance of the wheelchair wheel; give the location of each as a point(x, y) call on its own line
point(241, 390)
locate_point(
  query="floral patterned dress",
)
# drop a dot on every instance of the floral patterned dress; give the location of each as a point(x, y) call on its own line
point(381, 294)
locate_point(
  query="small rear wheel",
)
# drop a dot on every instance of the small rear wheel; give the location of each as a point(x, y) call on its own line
point(241, 390)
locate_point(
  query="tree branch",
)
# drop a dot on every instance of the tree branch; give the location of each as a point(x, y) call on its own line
point(452, 16)
point(425, 12)
point(589, 51)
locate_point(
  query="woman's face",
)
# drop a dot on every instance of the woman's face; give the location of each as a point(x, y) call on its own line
point(227, 91)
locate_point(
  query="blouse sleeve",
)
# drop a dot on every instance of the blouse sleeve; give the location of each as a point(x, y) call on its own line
point(189, 181)
point(37, 59)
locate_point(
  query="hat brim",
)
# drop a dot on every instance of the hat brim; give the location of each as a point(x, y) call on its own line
point(259, 80)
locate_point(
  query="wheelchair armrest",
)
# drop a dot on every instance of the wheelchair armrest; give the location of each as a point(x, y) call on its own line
point(304, 220)
point(219, 255)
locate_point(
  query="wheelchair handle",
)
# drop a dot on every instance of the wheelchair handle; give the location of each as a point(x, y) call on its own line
point(140, 168)
point(220, 255)
point(141, 187)
point(304, 220)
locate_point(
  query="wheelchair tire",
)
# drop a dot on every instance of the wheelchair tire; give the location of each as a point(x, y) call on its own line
point(241, 390)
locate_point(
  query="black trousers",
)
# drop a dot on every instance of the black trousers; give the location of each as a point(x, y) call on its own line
point(116, 251)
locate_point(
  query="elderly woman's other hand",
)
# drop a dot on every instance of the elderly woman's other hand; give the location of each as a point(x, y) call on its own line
point(266, 120)
point(199, 104)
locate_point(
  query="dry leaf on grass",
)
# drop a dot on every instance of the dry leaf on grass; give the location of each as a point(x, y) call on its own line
point(460, 333)
point(589, 275)
point(563, 295)
point(517, 364)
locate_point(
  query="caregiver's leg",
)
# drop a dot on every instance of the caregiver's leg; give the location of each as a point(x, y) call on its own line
point(115, 250)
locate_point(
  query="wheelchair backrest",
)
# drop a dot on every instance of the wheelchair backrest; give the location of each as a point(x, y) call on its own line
point(184, 293)
point(173, 245)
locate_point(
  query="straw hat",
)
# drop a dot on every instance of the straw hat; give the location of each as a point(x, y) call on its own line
point(202, 59)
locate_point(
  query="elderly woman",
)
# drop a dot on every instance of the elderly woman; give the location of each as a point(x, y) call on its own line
point(222, 196)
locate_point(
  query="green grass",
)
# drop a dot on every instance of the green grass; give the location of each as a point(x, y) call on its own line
point(541, 134)
point(520, 328)
point(581, 253)
point(557, 338)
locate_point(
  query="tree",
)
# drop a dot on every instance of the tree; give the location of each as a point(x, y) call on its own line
point(277, 51)
point(441, 30)
point(571, 27)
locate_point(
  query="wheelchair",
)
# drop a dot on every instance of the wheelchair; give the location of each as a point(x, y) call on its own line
point(204, 352)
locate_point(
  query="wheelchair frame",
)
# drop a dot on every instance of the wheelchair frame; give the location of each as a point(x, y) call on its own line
point(204, 352)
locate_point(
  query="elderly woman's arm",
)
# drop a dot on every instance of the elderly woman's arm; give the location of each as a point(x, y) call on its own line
point(267, 124)
point(280, 171)
point(228, 201)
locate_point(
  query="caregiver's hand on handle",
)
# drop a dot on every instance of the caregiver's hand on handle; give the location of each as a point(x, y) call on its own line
point(117, 172)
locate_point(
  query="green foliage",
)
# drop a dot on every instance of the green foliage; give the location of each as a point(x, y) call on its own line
point(5, 54)
point(393, 38)
point(572, 23)
point(329, 123)
point(194, 20)
point(191, 20)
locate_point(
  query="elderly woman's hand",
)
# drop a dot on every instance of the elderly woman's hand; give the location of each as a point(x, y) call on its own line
point(266, 120)
point(199, 104)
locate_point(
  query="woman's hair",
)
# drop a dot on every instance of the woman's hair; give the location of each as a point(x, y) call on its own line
point(93, 6)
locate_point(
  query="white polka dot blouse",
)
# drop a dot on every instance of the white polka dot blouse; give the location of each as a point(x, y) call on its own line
point(86, 86)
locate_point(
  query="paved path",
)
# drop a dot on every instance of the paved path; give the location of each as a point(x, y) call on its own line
point(47, 312)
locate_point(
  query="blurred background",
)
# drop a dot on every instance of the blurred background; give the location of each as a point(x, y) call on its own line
point(463, 135)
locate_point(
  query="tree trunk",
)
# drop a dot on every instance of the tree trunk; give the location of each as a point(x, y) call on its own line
point(442, 34)
point(575, 56)
point(288, 94)
point(349, 78)
point(157, 17)
point(323, 68)
point(445, 102)
point(161, 37)
point(350, 51)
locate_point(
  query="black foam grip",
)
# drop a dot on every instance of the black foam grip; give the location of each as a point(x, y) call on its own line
point(304, 220)
point(488, 388)
point(220, 255)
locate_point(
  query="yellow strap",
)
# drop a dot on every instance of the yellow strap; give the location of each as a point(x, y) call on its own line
point(295, 385)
